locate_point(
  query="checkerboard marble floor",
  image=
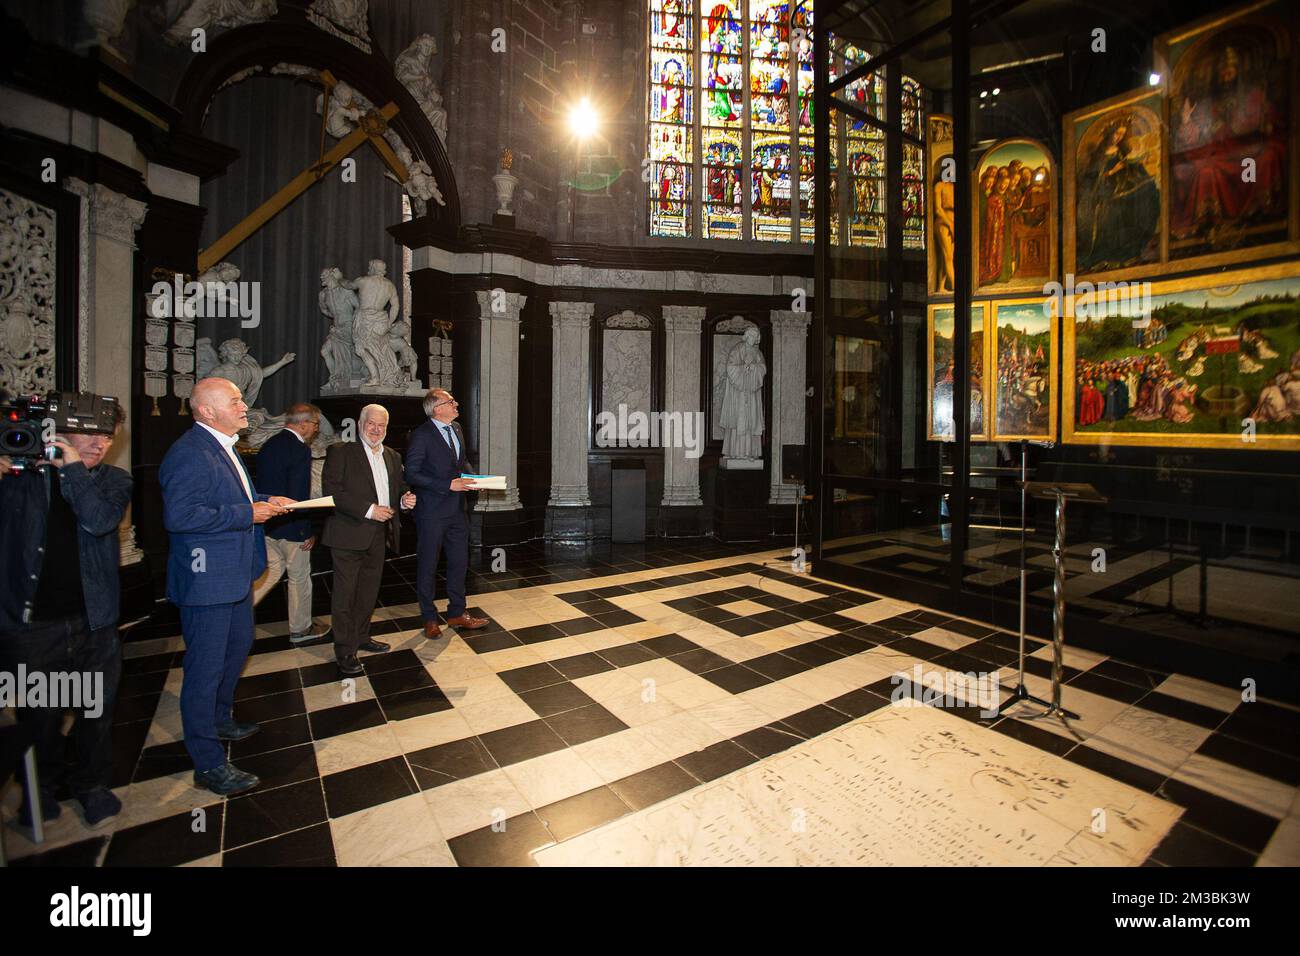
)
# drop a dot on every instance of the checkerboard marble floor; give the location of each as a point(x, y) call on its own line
point(606, 714)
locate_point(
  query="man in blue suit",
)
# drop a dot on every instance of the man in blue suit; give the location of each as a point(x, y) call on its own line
point(435, 460)
point(215, 517)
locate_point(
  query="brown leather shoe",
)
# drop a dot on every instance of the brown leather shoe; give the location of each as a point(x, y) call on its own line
point(468, 622)
point(431, 629)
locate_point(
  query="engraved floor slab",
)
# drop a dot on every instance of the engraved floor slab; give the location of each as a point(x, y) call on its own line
point(902, 786)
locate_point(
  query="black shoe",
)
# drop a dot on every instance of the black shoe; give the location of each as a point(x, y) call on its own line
point(236, 731)
point(99, 806)
point(350, 667)
point(373, 646)
point(226, 780)
point(50, 809)
point(317, 635)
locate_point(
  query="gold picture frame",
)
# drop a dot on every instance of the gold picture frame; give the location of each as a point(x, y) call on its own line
point(941, 195)
point(1142, 113)
point(939, 314)
point(1034, 368)
point(1174, 59)
point(1186, 360)
point(1033, 233)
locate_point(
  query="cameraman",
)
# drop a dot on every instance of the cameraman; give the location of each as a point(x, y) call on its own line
point(59, 551)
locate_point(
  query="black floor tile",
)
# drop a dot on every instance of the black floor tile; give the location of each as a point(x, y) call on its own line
point(167, 842)
point(816, 720)
point(811, 654)
point(625, 655)
point(555, 699)
point(521, 742)
point(376, 664)
point(444, 763)
point(1122, 770)
point(652, 786)
point(1108, 687)
point(777, 666)
point(512, 845)
point(668, 644)
point(261, 685)
point(596, 606)
point(1035, 736)
point(1184, 710)
point(314, 675)
point(135, 685)
point(414, 703)
point(619, 618)
point(581, 665)
point(581, 625)
point(263, 814)
point(716, 761)
point(1225, 819)
point(521, 679)
point(873, 635)
point(332, 721)
point(1261, 760)
point(163, 760)
point(857, 703)
point(485, 643)
point(768, 740)
point(395, 682)
point(367, 786)
point(271, 707)
point(83, 853)
point(281, 767)
point(901, 624)
point(1129, 674)
point(273, 735)
point(1265, 725)
point(841, 644)
point(140, 707)
point(742, 626)
point(537, 633)
point(1185, 845)
point(313, 846)
point(585, 811)
point(699, 661)
point(581, 724)
point(736, 678)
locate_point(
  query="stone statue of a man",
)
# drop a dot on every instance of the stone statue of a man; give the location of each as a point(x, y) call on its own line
point(339, 305)
point(241, 368)
point(742, 403)
point(377, 311)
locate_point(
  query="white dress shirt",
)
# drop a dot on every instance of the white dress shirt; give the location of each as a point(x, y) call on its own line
point(378, 471)
point(228, 443)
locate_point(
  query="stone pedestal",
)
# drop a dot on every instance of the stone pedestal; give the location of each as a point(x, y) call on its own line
point(789, 390)
point(568, 510)
point(499, 395)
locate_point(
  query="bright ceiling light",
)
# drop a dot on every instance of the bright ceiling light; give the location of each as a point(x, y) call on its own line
point(1154, 79)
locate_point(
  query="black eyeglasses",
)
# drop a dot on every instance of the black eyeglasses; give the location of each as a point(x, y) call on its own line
point(450, 401)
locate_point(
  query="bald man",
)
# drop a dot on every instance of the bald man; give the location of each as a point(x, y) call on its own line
point(214, 516)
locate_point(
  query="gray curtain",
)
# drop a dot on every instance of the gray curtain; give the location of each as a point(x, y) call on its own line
point(272, 121)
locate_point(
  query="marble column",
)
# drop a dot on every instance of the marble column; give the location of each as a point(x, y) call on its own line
point(682, 325)
point(570, 387)
point(789, 393)
point(499, 395)
point(106, 286)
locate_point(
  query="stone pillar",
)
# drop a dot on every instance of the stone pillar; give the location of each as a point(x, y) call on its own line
point(682, 394)
point(105, 312)
point(499, 395)
point(789, 390)
point(570, 387)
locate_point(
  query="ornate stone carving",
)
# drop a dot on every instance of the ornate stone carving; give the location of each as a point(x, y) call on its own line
point(627, 320)
point(339, 305)
point(414, 70)
point(683, 318)
point(236, 365)
point(346, 19)
point(206, 14)
point(736, 324)
point(379, 336)
point(27, 284)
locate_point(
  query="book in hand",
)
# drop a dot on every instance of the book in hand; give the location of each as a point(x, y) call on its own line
point(326, 502)
point(486, 482)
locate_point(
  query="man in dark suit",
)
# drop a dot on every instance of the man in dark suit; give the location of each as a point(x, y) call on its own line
point(365, 479)
point(435, 460)
point(284, 468)
point(218, 549)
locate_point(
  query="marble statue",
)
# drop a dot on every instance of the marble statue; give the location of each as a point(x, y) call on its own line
point(346, 19)
point(241, 368)
point(420, 184)
point(742, 404)
point(339, 305)
point(205, 14)
point(377, 311)
point(205, 357)
point(106, 18)
point(346, 107)
point(414, 70)
point(399, 340)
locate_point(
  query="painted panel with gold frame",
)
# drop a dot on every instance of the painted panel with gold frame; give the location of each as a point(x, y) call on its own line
point(1232, 96)
point(857, 387)
point(940, 275)
point(1014, 224)
point(939, 424)
point(1023, 383)
point(1114, 187)
point(1207, 362)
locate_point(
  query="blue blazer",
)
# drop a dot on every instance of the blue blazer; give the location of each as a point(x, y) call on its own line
point(284, 468)
point(430, 467)
point(204, 507)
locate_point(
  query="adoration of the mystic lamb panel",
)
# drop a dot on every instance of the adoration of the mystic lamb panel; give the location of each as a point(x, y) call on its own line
point(1231, 96)
point(1023, 383)
point(1114, 186)
point(1211, 362)
point(940, 364)
point(1015, 218)
point(940, 176)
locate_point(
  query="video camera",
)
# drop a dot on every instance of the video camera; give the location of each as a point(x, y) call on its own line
point(28, 421)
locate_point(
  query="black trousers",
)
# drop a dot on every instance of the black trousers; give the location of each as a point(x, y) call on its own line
point(65, 646)
point(450, 534)
point(356, 588)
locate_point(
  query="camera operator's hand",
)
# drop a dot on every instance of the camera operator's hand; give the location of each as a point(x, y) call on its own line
point(265, 510)
point(6, 465)
point(70, 455)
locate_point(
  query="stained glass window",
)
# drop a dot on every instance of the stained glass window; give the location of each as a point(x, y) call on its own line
point(730, 127)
